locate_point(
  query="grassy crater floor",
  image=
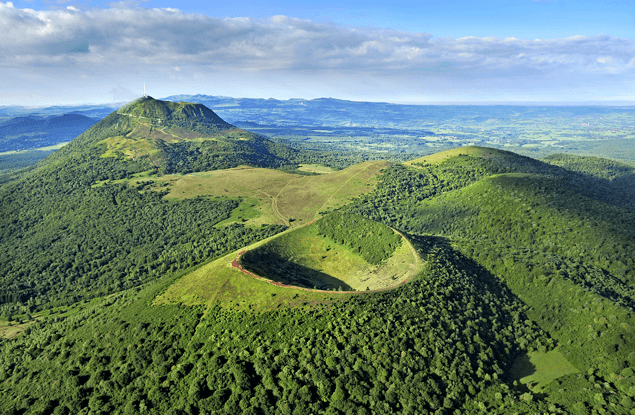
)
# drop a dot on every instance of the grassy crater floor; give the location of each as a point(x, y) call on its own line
point(306, 259)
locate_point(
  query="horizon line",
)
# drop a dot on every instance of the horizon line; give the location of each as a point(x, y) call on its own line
point(587, 103)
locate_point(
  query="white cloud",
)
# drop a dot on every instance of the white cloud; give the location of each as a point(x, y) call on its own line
point(131, 39)
point(168, 37)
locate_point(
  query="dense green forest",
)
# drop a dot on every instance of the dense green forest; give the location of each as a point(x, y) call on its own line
point(373, 241)
point(422, 348)
point(567, 255)
point(114, 237)
point(521, 256)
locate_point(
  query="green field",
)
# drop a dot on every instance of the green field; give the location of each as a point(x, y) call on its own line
point(278, 197)
point(219, 284)
point(538, 369)
point(315, 168)
point(247, 209)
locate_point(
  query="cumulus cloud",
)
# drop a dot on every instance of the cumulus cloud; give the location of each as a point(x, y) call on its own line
point(169, 37)
point(124, 40)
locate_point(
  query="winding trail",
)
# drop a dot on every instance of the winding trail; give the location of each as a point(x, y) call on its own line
point(316, 215)
point(340, 188)
point(274, 202)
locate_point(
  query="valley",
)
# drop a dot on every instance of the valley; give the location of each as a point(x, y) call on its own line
point(214, 270)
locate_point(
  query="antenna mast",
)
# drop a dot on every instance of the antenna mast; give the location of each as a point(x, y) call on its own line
point(144, 90)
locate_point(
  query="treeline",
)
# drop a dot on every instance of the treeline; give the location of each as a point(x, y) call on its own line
point(431, 346)
point(373, 241)
point(188, 156)
point(593, 166)
point(340, 155)
point(257, 151)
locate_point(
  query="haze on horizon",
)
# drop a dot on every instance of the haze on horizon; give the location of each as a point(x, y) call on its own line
point(74, 52)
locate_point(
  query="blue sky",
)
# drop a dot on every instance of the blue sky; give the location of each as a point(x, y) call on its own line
point(68, 52)
point(501, 18)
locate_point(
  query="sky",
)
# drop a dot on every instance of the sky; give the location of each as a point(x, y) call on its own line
point(58, 52)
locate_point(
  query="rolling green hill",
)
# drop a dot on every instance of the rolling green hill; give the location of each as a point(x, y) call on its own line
point(524, 303)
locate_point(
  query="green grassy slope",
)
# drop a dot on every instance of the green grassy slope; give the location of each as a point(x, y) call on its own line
point(339, 251)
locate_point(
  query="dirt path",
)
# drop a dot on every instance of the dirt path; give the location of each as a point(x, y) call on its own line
point(340, 188)
point(274, 203)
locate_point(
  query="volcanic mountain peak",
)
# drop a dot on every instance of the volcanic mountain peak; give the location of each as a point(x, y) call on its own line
point(148, 107)
point(170, 137)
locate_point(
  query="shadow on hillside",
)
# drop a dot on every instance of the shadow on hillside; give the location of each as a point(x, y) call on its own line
point(515, 364)
point(277, 268)
point(521, 368)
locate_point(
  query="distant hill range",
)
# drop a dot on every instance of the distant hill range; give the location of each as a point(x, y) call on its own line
point(23, 133)
point(446, 125)
point(342, 113)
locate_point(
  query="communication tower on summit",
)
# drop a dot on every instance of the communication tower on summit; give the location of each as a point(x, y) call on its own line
point(144, 90)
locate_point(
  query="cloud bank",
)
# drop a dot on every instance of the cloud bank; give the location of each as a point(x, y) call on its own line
point(124, 40)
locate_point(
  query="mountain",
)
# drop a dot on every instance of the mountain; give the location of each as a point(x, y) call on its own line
point(166, 137)
point(22, 133)
point(55, 223)
point(71, 228)
point(505, 283)
point(68, 120)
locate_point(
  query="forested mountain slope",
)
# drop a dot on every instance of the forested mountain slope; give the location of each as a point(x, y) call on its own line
point(64, 240)
point(166, 137)
point(561, 238)
point(522, 258)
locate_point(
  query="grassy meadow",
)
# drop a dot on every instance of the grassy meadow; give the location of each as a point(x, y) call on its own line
point(538, 369)
point(278, 197)
point(219, 284)
point(315, 168)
